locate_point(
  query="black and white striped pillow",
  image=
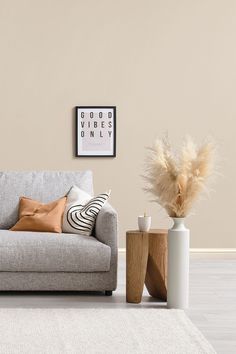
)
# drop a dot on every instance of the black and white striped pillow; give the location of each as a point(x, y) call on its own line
point(81, 211)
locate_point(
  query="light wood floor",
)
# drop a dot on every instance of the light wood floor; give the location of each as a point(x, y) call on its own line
point(212, 298)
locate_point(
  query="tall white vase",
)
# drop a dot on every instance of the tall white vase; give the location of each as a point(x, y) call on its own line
point(178, 265)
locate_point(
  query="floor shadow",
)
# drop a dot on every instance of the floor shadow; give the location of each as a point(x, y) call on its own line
point(72, 299)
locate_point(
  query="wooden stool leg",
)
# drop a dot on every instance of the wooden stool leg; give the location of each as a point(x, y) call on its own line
point(136, 265)
point(156, 276)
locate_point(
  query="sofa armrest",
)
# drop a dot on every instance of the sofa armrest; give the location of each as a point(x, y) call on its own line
point(106, 232)
point(106, 227)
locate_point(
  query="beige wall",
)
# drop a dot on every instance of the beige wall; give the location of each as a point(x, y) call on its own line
point(166, 65)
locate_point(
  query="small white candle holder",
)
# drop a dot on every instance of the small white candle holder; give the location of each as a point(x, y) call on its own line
point(144, 223)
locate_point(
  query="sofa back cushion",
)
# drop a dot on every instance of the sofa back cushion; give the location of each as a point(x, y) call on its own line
point(44, 186)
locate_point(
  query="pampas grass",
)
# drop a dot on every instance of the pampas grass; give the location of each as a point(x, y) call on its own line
point(176, 180)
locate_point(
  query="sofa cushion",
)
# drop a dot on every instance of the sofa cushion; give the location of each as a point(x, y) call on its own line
point(81, 211)
point(48, 252)
point(45, 186)
point(36, 216)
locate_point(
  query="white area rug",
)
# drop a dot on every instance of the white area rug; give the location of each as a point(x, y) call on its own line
point(74, 331)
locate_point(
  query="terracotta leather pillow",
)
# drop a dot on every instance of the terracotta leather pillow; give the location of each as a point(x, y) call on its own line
point(36, 216)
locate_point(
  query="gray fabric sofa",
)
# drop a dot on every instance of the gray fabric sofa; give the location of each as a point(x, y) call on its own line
point(50, 261)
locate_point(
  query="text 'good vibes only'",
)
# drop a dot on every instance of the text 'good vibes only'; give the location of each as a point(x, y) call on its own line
point(95, 125)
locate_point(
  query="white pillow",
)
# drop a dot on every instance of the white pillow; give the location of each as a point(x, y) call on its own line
point(81, 211)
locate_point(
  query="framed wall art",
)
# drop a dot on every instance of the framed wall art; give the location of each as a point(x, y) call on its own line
point(96, 131)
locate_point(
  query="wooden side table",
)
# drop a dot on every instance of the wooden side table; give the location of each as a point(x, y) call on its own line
point(146, 262)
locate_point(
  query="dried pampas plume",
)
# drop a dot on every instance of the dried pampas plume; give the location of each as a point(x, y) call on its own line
point(176, 180)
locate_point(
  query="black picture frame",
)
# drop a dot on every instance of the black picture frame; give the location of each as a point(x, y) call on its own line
point(91, 108)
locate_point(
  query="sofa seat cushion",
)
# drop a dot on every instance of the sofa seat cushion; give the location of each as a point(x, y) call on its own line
point(24, 251)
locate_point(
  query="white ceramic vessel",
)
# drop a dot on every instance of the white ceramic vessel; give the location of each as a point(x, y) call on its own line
point(144, 223)
point(178, 265)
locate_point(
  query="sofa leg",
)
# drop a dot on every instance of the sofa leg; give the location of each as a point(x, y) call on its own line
point(108, 293)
